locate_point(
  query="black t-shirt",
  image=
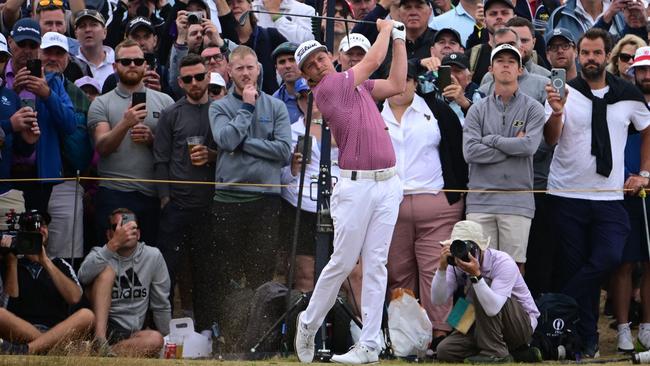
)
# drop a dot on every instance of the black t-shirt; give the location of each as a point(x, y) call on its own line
point(39, 301)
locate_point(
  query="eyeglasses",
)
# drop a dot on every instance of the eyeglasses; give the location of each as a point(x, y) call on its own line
point(129, 61)
point(557, 46)
point(625, 57)
point(44, 3)
point(198, 77)
point(217, 57)
point(28, 44)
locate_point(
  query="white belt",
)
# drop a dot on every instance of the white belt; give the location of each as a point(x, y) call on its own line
point(376, 175)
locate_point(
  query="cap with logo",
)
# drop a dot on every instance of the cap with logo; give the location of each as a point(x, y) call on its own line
point(4, 48)
point(89, 13)
point(217, 79)
point(641, 58)
point(139, 22)
point(54, 39)
point(306, 49)
point(505, 48)
point(559, 32)
point(427, 2)
point(455, 59)
point(285, 48)
point(87, 80)
point(488, 3)
point(354, 40)
point(454, 33)
point(26, 29)
point(301, 85)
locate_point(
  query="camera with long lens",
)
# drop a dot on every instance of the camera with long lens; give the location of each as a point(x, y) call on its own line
point(25, 232)
point(461, 249)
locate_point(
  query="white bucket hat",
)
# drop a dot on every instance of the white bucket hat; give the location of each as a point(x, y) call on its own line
point(468, 230)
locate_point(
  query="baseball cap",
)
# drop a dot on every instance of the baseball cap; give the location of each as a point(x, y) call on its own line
point(26, 29)
point(505, 48)
point(488, 3)
point(306, 49)
point(641, 58)
point(217, 79)
point(559, 32)
point(443, 31)
point(4, 48)
point(354, 40)
point(402, 2)
point(87, 80)
point(285, 48)
point(89, 13)
point(54, 39)
point(457, 59)
point(138, 22)
point(301, 85)
point(468, 230)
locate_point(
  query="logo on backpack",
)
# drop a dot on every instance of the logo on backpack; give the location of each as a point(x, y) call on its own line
point(558, 324)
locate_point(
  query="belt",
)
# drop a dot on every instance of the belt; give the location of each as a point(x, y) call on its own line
point(376, 175)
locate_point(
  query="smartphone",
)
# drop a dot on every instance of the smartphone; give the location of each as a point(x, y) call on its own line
point(138, 98)
point(34, 67)
point(31, 103)
point(444, 77)
point(152, 62)
point(300, 146)
point(127, 217)
point(558, 80)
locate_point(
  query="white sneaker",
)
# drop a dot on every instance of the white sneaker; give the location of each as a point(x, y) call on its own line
point(624, 337)
point(644, 335)
point(358, 354)
point(304, 342)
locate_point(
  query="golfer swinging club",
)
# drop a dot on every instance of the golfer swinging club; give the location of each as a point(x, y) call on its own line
point(366, 199)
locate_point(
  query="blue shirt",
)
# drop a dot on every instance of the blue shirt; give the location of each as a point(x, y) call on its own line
point(457, 18)
point(9, 104)
point(290, 101)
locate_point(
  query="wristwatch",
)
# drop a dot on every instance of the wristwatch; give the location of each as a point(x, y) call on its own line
point(475, 279)
point(644, 174)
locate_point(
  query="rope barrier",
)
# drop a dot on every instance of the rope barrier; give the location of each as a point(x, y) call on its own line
point(167, 181)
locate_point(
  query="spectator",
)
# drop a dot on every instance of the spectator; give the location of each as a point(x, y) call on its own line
point(622, 56)
point(184, 207)
point(126, 10)
point(37, 317)
point(89, 86)
point(91, 32)
point(460, 18)
point(54, 110)
point(12, 11)
point(285, 65)
point(462, 92)
point(217, 88)
point(262, 40)
point(124, 280)
point(506, 315)
point(371, 10)
point(636, 247)
point(295, 29)
point(352, 50)
point(445, 42)
point(440, 7)
point(426, 216)
point(124, 136)
point(253, 132)
point(577, 16)
point(590, 129)
point(341, 29)
point(216, 61)
point(416, 15)
point(524, 28)
point(500, 136)
point(169, 30)
point(561, 51)
point(361, 8)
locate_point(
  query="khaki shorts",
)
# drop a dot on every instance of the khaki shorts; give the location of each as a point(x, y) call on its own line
point(508, 233)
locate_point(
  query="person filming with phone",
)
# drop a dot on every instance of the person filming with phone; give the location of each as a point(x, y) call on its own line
point(498, 313)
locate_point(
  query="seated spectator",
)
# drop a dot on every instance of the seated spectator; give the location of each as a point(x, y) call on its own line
point(295, 29)
point(287, 70)
point(124, 280)
point(41, 290)
point(622, 56)
point(217, 88)
point(90, 30)
point(460, 18)
point(506, 315)
point(89, 86)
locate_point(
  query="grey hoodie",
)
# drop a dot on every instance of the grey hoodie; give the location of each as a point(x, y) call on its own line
point(141, 282)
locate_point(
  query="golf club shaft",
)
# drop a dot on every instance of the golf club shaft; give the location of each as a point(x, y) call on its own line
point(314, 16)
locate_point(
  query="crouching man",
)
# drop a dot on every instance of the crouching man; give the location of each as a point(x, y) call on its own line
point(40, 291)
point(505, 313)
point(124, 279)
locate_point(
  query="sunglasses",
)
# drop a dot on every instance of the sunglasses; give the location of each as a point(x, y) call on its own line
point(625, 57)
point(198, 77)
point(28, 44)
point(217, 57)
point(560, 46)
point(214, 89)
point(44, 3)
point(129, 61)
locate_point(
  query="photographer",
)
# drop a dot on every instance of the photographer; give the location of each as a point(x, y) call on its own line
point(40, 290)
point(505, 313)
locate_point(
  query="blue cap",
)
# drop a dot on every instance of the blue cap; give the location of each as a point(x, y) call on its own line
point(26, 29)
point(559, 32)
point(301, 85)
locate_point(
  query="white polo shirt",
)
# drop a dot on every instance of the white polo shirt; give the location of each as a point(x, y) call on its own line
point(103, 70)
point(416, 141)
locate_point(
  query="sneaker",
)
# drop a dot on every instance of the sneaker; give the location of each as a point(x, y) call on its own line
point(304, 342)
point(527, 354)
point(102, 348)
point(624, 337)
point(643, 339)
point(591, 351)
point(9, 348)
point(480, 359)
point(357, 355)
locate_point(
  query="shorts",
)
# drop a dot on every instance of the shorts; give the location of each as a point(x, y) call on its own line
point(636, 246)
point(508, 233)
point(115, 333)
point(306, 234)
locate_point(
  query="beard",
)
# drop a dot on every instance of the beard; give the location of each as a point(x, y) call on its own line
point(644, 86)
point(130, 77)
point(196, 93)
point(593, 73)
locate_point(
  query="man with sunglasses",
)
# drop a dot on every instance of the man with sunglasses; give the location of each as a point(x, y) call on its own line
point(184, 207)
point(124, 135)
point(217, 88)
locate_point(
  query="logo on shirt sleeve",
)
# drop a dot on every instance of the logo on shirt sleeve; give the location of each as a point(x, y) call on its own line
point(518, 123)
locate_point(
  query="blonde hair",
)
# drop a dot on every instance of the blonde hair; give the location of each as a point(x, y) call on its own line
point(630, 39)
point(241, 52)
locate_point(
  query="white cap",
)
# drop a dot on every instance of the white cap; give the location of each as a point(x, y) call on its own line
point(306, 49)
point(468, 230)
point(505, 48)
point(217, 79)
point(54, 39)
point(3, 44)
point(641, 58)
point(354, 40)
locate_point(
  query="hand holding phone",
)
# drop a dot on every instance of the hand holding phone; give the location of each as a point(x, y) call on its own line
point(306, 158)
point(444, 77)
point(558, 81)
point(34, 67)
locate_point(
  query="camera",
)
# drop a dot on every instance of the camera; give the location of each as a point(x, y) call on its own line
point(24, 228)
point(194, 17)
point(461, 249)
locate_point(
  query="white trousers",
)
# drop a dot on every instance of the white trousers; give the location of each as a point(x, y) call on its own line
point(364, 214)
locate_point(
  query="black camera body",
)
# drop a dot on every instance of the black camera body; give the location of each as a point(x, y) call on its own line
point(25, 230)
point(461, 249)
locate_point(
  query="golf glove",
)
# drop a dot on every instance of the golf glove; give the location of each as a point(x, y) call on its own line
point(399, 31)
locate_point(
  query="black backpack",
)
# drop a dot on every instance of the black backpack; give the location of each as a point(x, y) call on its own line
point(556, 334)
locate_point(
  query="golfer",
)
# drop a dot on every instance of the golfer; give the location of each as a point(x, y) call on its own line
point(366, 199)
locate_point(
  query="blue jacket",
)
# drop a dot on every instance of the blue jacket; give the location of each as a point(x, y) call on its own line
point(9, 104)
point(565, 17)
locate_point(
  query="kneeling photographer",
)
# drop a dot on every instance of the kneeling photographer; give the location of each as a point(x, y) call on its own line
point(40, 291)
point(494, 315)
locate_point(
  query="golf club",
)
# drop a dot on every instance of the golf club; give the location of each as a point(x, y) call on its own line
point(244, 16)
